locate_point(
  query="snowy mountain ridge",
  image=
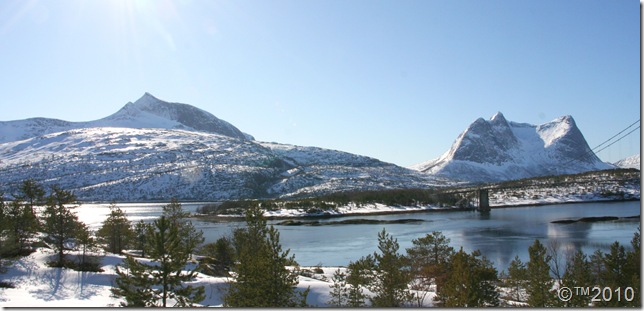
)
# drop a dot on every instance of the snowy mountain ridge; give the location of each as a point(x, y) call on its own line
point(496, 150)
point(147, 112)
point(630, 162)
point(155, 150)
point(127, 165)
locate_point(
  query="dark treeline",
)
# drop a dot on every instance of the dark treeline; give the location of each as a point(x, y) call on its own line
point(618, 175)
point(399, 197)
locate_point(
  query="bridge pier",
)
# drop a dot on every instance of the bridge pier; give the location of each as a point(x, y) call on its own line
point(484, 201)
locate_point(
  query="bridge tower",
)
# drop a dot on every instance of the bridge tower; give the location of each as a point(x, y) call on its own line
point(484, 200)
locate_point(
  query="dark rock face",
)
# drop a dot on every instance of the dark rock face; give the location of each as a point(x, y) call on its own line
point(486, 141)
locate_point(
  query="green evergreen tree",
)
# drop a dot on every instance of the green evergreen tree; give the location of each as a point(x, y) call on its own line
point(140, 230)
point(360, 274)
point(166, 247)
point(339, 295)
point(597, 266)
point(517, 275)
point(190, 236)
point(454, 292)
point(539, 285)
point(485, 281)
point(61, 224)
point(262, 279)
point(116, 231)
point(578, 274)
point(614, 274)
point(165, 277)
point(33, 193)
point(429, 257)
point(471, 282)
point(221, 255)
point(87, 244)
point(134, 284)
point(633, 269)
point(225, 251)
point(22, 226)
point(392, 274)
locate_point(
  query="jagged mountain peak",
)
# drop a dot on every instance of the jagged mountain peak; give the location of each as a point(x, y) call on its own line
point(496, 149)
point(498, 117)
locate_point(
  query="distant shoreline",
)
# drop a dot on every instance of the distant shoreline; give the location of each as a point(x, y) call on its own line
point(393, 212)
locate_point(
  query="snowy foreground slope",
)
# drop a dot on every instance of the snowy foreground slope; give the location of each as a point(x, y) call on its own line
point(37, 285)
point(155, 150)
point(495, 150)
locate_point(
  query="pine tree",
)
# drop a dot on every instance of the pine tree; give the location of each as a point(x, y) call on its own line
point(190, 236)
point(32, 193)
point(614, 274)
point(339, 292)
point(61, 225)
point(162, 282)
point(539, 285)
point(633, 269)
point(86, 243)
point(578, 274)
point(133, 284)
point(485, 281)
point(597, 266)
point(392, 270)
point(140, 230)
point(220, 257)
point(116, 232)
point(166, 247)
point(470, 282)
point(361, 274)
point(262, 279)
point(22, 225)
point(454, 292)
point(517, 275)
point(429, 260)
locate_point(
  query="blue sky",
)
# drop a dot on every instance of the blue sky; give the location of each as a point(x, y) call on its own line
point(394, 80)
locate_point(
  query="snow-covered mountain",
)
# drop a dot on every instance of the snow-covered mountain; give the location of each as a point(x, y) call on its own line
point(496, 150)
point(630, 162)
point(153, 150)
point(147, 112)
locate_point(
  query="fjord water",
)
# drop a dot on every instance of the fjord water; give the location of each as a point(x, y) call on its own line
point(499, 235)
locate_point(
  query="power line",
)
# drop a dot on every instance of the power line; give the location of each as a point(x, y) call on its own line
point(633, 130)
point(622, 131)
point(591, 152)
